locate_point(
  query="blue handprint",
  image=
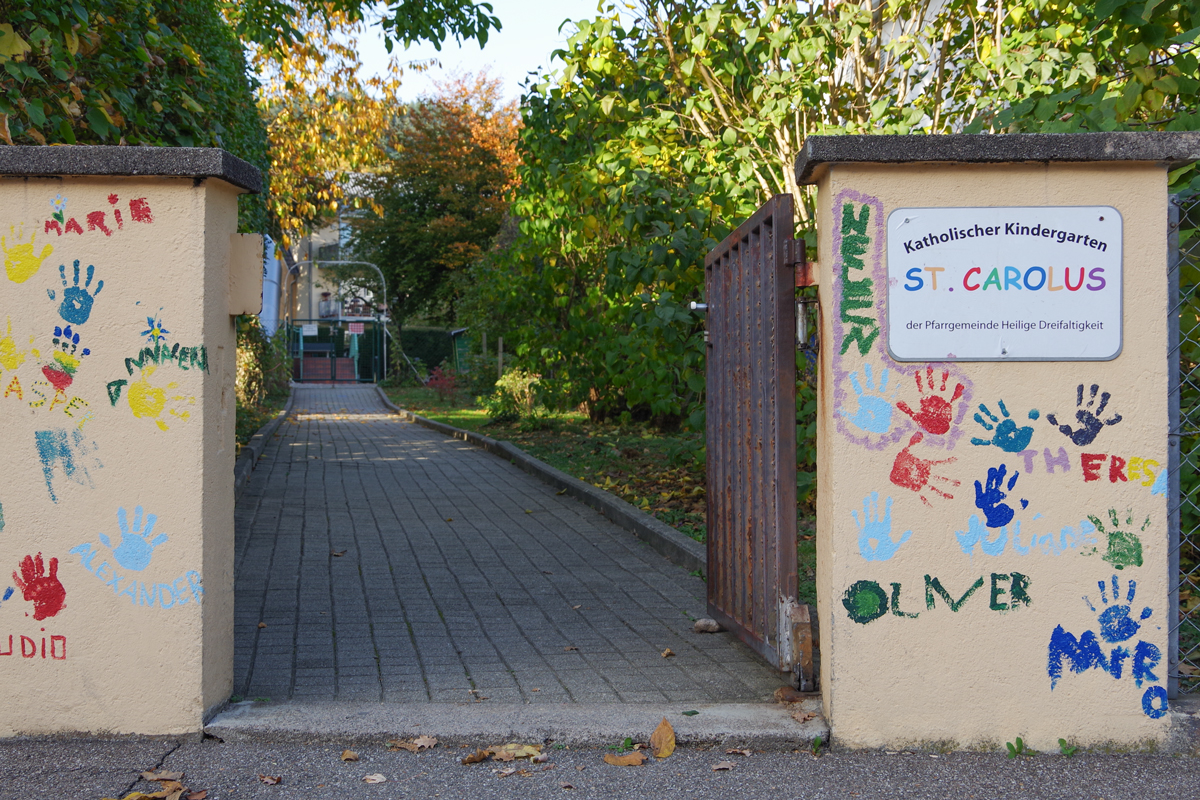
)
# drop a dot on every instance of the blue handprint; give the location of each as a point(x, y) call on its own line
point(136, 547)
point(874, 413)
point(877, 530)
point(977, 534)
point(76, 304)
point(1115, 623)
point(1008, 437)
point(989, 499)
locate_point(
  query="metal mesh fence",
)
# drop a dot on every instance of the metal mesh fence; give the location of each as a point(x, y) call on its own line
point(1184, 469)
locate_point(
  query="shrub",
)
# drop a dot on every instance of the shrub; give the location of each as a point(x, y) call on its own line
point(446, 382)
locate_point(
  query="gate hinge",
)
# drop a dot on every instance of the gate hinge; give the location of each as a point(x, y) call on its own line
point(794, 254)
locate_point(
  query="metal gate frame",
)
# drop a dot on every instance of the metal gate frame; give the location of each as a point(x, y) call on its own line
point(750, 282)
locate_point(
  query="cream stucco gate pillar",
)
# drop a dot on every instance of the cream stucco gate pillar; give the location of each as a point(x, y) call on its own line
point(123, 269)
point(993, 493)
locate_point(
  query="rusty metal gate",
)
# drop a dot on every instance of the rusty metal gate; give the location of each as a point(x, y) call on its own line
point(751, 432)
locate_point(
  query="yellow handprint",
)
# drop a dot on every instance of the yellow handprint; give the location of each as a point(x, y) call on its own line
point(21, 262)
point(147, 400)
point(10, 356)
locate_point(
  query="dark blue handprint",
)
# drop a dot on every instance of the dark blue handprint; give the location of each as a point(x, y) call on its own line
point(990, 499)
point(136, 547)
point(1090, 423)
point(1007, 436)
point(76, 304)
point(1115, 623)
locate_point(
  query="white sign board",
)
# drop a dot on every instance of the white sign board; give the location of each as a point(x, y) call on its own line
point(1004, 284)
point(308, 329)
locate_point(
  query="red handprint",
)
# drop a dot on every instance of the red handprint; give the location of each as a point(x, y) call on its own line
point(936, 411)
point(46, 593)
point(916, 473)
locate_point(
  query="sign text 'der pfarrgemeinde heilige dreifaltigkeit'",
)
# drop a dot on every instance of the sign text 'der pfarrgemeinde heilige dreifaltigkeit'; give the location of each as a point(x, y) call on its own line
point(1004, 283)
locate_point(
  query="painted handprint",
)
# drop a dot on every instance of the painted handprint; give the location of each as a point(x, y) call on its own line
point(150, 401)
point(936, 411)
point(875, 541)
point(915, 473)
point(874, 413)
point(45, 591)
point(1090, 423)
point(989, 498)
point(61, 372)
point(136, 548)
point(1004, 432)
point(11, 356)
point(21, 261)
point(1124, 546)
point(1115, 623)
point(76, 306)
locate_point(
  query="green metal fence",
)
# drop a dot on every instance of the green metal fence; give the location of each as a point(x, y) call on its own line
point(1184, 469)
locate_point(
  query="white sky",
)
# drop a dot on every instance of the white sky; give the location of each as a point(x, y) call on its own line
point(529, 35)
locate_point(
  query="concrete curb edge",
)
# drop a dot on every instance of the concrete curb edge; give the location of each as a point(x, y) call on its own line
point(258, 442)
point(662, 538)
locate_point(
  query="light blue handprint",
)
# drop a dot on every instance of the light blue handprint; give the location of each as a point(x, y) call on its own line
point(875, 535)
point(1005, 433)
point(874, 413)
point(136, 547)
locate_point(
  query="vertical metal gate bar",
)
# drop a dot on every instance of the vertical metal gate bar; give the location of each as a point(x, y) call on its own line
point(1174, 306)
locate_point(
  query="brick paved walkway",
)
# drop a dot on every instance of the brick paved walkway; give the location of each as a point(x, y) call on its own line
point(389, 562)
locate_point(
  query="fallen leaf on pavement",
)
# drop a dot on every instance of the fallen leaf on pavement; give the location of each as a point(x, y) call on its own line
point(540, 759)
point(475, 758)
point(337, 553)
point(374, 777)
point(449, 519)
point(161, 776)
point(504, 773)
point(415, 746)
point(723, 766)
point(663, 739)
point(271, 780)
point(634, 759)
point(200, 795)
point(690, 713)
point(262, 624)
point(349, 755)
point(171, 790)
point(569, 648)
point(578, 606)
point(786, 694)
point(565, 785)
point(562, 491)
point(507, 752)
point(803, 716)
point(737, 752)
point(580, 767)
point(668, 653)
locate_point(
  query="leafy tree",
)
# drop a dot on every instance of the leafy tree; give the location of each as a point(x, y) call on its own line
point(663, 131)
point(442, 195)
point(139, 72)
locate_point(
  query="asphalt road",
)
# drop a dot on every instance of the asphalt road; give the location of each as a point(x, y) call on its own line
point(77, 768)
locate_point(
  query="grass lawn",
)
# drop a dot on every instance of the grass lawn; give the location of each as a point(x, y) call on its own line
point(660, 473)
